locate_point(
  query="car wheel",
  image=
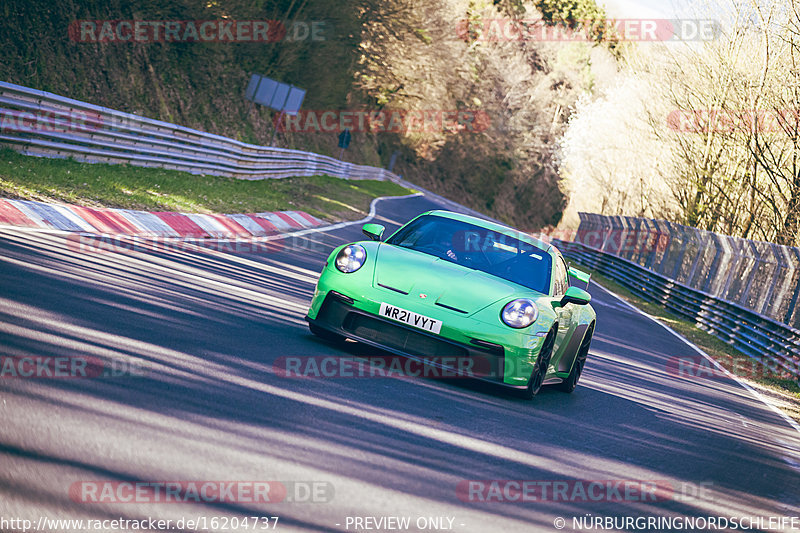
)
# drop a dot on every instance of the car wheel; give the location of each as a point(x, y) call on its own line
point(540, 369)
point(325, 334)
point(569, 384)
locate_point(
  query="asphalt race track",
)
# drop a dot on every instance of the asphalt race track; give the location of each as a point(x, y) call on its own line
point(193, 336)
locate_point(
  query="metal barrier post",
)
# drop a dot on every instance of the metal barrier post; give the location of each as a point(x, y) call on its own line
point(793, 303)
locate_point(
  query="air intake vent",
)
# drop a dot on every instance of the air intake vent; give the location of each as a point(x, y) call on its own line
point(392, 289)
point(456, 309)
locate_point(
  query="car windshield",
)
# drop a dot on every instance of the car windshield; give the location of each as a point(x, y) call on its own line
point(477, 248)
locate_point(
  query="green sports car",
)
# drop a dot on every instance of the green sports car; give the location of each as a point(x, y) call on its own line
point(461, 293)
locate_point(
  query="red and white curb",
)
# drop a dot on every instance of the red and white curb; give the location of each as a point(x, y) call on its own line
point(74, 218)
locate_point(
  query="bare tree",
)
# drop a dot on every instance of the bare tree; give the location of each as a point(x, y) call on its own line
point(725, 117)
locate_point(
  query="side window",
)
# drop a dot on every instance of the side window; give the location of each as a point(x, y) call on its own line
point(565, 272)
point(560, 273)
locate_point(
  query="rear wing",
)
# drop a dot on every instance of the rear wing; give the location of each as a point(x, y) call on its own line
point(580, 275)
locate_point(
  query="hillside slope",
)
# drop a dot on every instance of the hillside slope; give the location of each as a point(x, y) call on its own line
point(370, 55)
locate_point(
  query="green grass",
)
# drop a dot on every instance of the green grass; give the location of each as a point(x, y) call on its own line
point(784, 393)
point(155, 189)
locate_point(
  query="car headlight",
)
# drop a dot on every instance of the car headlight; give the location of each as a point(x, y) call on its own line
point(520, 313)
point(351, 258)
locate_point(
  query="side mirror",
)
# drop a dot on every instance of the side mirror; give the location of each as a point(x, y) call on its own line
point(373, 231)
point(580, 275)
point(576, 296)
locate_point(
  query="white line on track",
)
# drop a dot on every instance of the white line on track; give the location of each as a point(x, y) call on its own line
point(699, 350)
point(343, 224)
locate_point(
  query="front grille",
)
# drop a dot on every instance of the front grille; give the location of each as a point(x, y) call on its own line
point(400, 338)
point(487, 359)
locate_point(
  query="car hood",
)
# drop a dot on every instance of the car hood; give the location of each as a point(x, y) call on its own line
point(444, 283)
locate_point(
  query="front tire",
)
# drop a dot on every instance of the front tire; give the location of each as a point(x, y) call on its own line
point(569, 384)
point(540, 369)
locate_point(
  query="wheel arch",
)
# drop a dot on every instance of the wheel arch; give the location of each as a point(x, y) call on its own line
point(574, 346)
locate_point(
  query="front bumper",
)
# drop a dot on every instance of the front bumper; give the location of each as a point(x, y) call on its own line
point(477, 358)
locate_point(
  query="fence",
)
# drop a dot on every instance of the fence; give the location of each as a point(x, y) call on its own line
point(759, 276)
point(725, 285)
point(40, 123)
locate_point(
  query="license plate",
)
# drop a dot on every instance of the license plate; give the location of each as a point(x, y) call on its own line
point(411, 318)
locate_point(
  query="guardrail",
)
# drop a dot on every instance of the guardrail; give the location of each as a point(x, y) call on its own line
point(760, 276)
point(755, 335)
point(40, 123)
